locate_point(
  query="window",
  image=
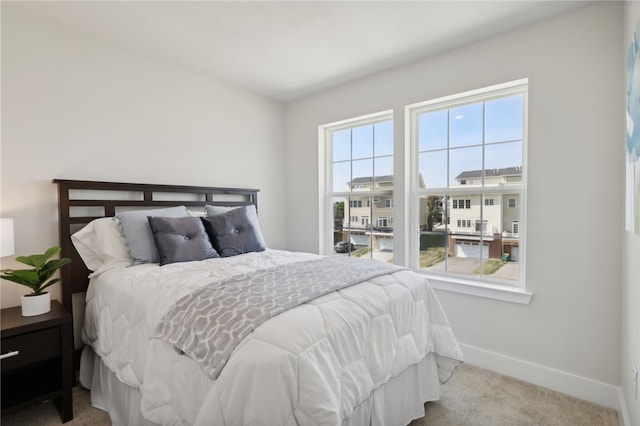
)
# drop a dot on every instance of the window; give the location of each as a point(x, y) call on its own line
point(515, 227)
point(469, 150)
point(388, 203)
point(357, 160)
point(481, 226)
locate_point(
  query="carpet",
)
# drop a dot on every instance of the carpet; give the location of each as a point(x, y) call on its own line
point(473, 397)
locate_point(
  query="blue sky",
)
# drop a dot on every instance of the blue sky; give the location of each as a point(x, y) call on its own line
point(461, 129)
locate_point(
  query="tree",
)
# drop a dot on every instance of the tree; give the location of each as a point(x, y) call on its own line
point(433, 211)
point(338, 214)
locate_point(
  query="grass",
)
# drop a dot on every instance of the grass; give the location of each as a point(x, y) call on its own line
point(360, 252)
point(490, 266)
point(431, 256)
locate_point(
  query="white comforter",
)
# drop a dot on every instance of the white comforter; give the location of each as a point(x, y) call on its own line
point(310, 365)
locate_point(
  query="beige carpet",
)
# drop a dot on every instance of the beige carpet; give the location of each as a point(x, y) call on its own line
point(473, 397)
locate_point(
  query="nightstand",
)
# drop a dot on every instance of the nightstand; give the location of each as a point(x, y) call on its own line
point(37, 359)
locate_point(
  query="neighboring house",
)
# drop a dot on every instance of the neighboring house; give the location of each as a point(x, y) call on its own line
point(490, 219)
point(369, 218)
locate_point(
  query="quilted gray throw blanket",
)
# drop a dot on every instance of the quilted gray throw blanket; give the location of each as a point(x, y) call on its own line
point(208, 323)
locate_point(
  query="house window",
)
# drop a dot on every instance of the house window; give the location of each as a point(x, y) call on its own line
point(357, 157)
point(515, 227)
point(382, 222)
point(481, 226)
point(388, 203)
point(469, 149)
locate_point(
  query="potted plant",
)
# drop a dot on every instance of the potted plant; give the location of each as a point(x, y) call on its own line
point(38, 278)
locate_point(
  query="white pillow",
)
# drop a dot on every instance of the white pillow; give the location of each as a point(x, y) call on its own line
point(196, 213)
point(100, 245)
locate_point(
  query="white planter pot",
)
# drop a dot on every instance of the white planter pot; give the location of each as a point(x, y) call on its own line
point(36, 305)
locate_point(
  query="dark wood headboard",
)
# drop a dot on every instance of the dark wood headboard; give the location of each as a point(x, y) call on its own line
point(81, 201)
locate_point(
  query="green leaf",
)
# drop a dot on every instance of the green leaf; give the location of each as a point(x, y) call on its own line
point(50, 283)
point(43, 269)
point(38, 260)
point(25, 277)
point(27, 260)
point(52, 251)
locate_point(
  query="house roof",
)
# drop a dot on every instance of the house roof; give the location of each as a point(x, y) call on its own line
point(507, 171)
point(368, 179)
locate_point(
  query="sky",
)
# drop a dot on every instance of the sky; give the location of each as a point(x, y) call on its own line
point(450, 141)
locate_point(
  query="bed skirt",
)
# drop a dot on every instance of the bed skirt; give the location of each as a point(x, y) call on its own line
point(397, 402)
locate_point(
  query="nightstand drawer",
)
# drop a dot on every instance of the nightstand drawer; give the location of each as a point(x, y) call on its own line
point(29, 348)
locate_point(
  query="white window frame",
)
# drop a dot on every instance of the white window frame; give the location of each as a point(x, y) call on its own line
point(485, 286)
point(326, 193)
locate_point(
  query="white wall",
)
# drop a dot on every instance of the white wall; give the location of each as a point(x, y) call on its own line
point(630, 271)
point(75, 107)
point(568, 338)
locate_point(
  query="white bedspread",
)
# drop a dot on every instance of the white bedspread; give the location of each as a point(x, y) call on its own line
point(310, 365)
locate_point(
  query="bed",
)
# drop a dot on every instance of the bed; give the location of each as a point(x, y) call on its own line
point(299, 338)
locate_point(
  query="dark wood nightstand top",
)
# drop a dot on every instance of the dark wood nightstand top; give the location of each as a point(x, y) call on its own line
point(13, 323)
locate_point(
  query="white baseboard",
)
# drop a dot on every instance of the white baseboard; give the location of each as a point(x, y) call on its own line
point(623, 414)
point(550, 378)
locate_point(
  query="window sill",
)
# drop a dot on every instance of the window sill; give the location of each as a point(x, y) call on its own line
point(473, 288)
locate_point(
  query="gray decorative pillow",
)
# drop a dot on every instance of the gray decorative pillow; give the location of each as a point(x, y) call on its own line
point(136, 231)
point(235, 232)
point(181, 239)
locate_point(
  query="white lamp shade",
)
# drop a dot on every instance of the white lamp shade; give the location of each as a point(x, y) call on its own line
point(6, 237)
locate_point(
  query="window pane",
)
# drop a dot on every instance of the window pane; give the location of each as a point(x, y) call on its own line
point(503, 119)
point(384, 167)
point(432, 168)
point(510, 234)
point(382, 230)
point(465, 250)
point(433, 233)
point(340, 224)
point(383, 138)
point(466, 125)
point(432, 130)
point(363, 171)
point(342, 145)
point(465, 166)
point(464, 256)
point(503, 163)
point(341, 176)
point(363, 142)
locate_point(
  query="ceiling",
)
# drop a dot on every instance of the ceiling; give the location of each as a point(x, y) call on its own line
point(286, 50)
